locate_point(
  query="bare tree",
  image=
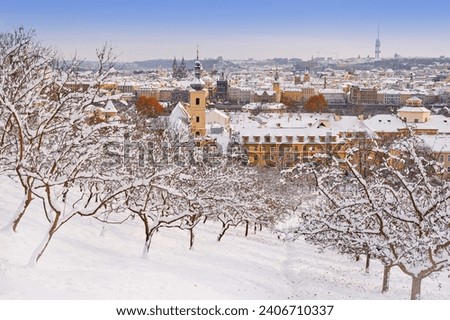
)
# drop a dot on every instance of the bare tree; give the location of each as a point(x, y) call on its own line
point(47, 144)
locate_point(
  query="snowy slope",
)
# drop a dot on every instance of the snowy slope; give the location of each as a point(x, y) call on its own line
point(84, 261)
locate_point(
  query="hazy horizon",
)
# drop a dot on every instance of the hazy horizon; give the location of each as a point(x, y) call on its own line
point(236, 30)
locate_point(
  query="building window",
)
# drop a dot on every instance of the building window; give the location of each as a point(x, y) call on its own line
point(245, 139)
point(267, 139)
point(441, 158)
point(416, 120)
point(448, 157)
point(256, 138)
point(197, 101)
point(197, 119)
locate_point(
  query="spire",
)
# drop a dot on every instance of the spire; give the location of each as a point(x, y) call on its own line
point(276, 75)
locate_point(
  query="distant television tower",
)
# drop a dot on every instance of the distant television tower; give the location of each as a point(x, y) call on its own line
point(378, 45)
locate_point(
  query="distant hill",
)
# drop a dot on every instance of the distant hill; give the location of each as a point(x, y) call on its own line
point(208, 64)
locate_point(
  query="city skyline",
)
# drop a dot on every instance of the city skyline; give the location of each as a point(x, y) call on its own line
point(142, 30)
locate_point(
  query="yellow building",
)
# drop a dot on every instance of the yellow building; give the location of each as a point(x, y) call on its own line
point(294, 95)
point(285, 151)
point(281, 141)
point(414, 112)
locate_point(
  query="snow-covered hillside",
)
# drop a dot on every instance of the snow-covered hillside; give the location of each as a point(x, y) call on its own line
point(85, 261)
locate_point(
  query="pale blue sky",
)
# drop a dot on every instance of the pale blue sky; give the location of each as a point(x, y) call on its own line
point(140, 30)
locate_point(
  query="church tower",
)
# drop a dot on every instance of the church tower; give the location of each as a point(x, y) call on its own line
point(197, 100)
point(276, 86)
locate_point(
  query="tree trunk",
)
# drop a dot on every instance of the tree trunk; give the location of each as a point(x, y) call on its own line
point(386, 276)
point(20, 212)
point(44, 243)
point(222, 233)
point(191, 238)
point(29, 198)
point(367, 262)
point(415, 288)
point(246, 228)
point(148, 242)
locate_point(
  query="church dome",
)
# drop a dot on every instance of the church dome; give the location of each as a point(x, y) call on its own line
point(197, 83)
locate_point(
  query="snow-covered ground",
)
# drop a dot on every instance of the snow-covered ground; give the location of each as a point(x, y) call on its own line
point(84, 261)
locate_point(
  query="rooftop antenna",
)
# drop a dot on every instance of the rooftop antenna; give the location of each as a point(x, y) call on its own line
point(197, 54)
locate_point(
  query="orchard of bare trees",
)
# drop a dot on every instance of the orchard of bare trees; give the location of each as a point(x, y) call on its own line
point(395, 211)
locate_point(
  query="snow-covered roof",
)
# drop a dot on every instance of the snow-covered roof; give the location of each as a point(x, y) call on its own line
point(389, 91)
point(179, 117)
point(268, 92)
point(436, 121)
point(264, 106)
point(392, 123)
point(293, 125)
point(220, 113)
point(437, 143)
point(413, 109)
point(414, 99)
point(331, 91)
point(385, 123)
point(110, 107)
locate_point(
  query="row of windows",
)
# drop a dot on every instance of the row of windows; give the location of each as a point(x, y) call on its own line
point(292, 149)
point(290, 139)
